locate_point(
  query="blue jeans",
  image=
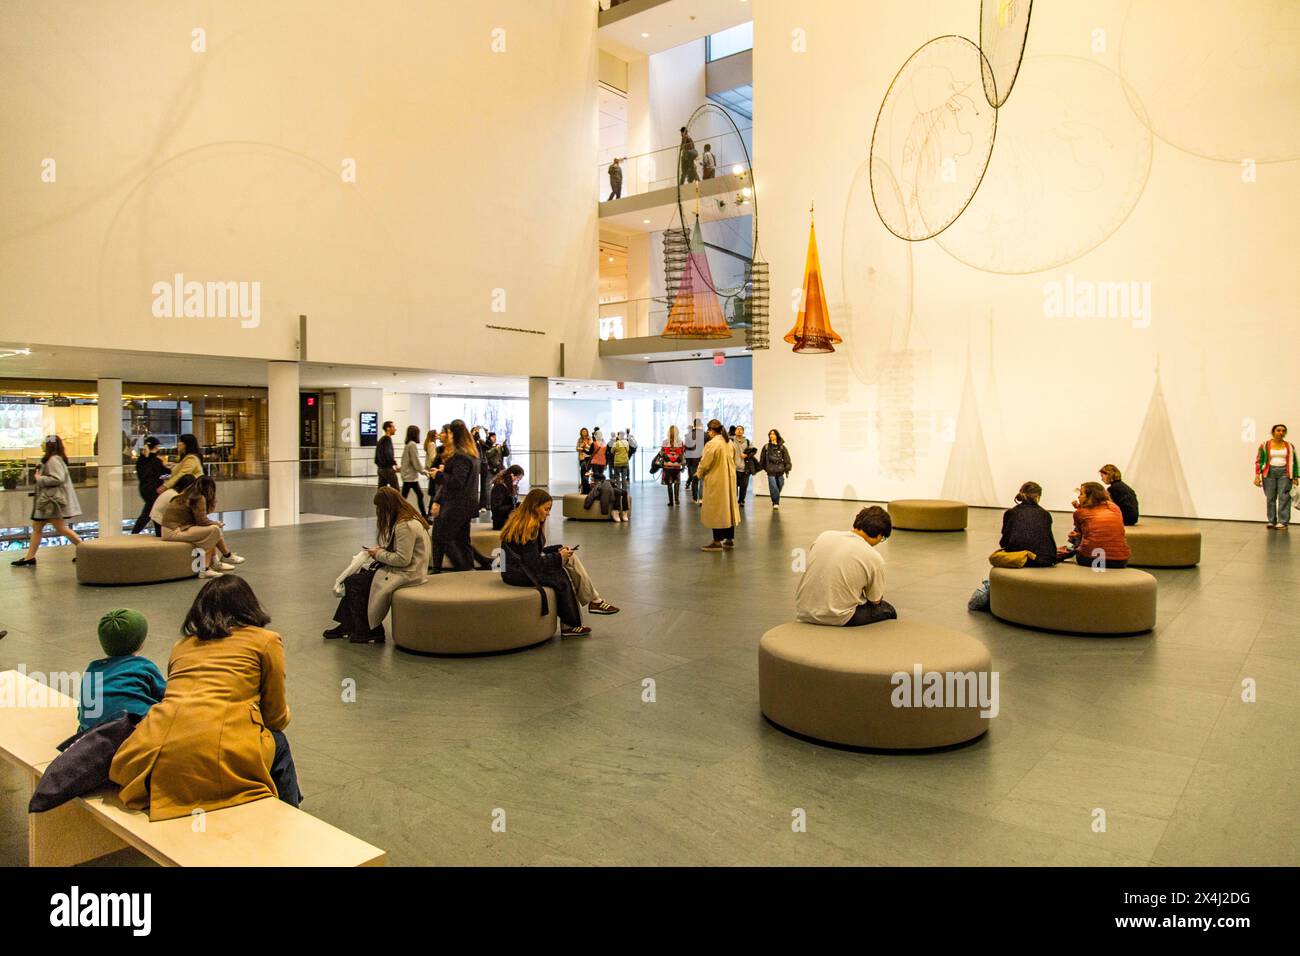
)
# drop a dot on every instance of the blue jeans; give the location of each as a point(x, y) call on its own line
point(1277, 492)
point(283, 772)
point(774, 485)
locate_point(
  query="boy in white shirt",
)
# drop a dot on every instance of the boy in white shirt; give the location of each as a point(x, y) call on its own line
point(844, 583)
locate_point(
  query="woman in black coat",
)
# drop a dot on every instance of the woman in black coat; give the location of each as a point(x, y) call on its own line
point(1028, 527)
point(504, 496)
point(456, 503)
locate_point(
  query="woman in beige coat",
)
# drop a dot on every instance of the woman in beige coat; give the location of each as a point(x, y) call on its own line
point(215, 739)
point(189, 461)
point(717, 474)
point(400, 560)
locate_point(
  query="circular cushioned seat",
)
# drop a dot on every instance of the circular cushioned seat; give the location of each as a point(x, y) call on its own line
point(927, 514)
point(1073, 598)
point(470, 612)
point(838, 684)
point(1163, 546)
point(573, 508)
point(134, 559)
point(482, 539)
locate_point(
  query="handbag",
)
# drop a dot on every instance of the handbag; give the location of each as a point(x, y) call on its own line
point(657, 464)
point(356, 564)
point(1011, 559)
point(49, 502)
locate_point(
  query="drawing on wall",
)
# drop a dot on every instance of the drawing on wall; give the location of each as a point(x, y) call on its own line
point(696, 312)
point(903, 427)
point(933, 135)
point(812, 333)
point(1073, 159)
point(1004, 27)
point(876, 278)
point(969, 477)
point(1156, 469)
point(1191, 93)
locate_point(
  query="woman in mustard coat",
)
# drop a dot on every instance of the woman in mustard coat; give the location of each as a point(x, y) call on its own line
point(717, 474)
point(215, 739)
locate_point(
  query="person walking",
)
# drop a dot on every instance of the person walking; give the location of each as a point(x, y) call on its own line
point(410, 468)
point(743, 453)
point(150, 470)
point(385, 460)
point(615, 180)
point(1277, 471)
point(774, 460)
point(55, 500)
point(686, 160)
point(432, 453)
point(693, 450)
point(720, 511)
point(671, 460)
point(708, 162)
point(189, 461)
point(457, 502)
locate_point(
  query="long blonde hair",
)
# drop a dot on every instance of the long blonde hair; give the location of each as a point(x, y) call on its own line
point(525, 522)
point(674, 436)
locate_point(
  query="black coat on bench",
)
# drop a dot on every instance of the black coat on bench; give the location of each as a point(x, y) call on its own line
point(1028, 527)
point(533, 564)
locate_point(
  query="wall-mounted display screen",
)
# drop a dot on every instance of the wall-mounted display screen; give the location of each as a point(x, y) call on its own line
point(369, 429)
point(20, 426)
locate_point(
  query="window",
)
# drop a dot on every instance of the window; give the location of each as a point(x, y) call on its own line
point(734, 40)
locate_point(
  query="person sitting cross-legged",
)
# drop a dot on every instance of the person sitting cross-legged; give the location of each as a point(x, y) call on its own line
point(844, 582)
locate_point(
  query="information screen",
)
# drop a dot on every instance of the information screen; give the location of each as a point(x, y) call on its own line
point(369, 429)
point(20, 426)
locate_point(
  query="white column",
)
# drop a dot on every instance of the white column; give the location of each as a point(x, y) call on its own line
point(539, 432)
point(109, 399)
point(282, 446)
point(695, 405)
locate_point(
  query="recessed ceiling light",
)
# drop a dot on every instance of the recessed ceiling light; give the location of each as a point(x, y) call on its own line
point(645, 35)
point(611, 258)
point(646, 221)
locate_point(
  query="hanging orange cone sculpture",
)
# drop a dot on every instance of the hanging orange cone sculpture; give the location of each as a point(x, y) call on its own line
point(812, 332)
point(696, 312)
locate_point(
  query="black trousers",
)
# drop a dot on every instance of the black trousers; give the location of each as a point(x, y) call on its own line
point(871, 613)
point(283, 773)
point(742, 485)
point(692, 466)
point(142, 522)
point(353, 611)
point(674, 491)
point(724, 534)
point(451, 540)
point(408, 486)
point(388, 476)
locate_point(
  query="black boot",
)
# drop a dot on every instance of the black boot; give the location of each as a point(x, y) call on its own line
point(336, 632)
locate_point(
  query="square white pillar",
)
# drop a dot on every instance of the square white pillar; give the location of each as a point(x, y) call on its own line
point(282, 411)
point(539, 432)
point(108, 396)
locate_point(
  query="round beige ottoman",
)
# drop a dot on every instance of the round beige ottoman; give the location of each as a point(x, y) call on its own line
point(482, 539)
point(1163, 546)
point(927, 514)
point(134, 559)
point(1074, 599)
point(470, 612)
point(864, 686)
point(573, 508)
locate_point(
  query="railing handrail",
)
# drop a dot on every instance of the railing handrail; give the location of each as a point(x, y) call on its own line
point(674, 147)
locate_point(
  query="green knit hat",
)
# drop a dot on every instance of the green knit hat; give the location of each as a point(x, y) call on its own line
point(121, 632)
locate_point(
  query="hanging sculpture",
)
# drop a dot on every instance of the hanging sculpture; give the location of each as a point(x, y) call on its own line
point(696, 312)
point(812, 332)
point(757, 296)
point(677, 249)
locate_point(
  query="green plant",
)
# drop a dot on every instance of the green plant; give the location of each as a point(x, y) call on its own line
point(11, 473)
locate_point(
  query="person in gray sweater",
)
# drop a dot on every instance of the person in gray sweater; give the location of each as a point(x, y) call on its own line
point(411, 469)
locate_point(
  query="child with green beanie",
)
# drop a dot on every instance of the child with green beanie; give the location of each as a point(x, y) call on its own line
point(121, 682)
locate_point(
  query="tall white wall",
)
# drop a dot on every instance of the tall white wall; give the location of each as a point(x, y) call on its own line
point(955, 377)
point(233, 163)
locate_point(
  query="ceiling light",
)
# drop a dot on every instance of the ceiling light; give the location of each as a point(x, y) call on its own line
point(737, 169)
point(611, 258)
point(747, 192)
point(646, 221)
point(645, 35)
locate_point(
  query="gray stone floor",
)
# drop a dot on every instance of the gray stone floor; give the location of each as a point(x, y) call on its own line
point(1151, 729)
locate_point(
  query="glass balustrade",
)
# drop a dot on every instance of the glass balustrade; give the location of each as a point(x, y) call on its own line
point(659, 169)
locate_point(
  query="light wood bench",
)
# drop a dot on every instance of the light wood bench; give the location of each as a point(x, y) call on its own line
point(35, 718)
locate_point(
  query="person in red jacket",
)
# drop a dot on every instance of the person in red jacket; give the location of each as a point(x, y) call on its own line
point(1098, 529)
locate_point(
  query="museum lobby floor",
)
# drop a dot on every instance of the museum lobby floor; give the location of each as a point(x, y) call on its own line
point(1150, 729)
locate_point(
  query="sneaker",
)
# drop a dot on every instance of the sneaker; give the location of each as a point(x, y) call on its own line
point(581, 630)
point(776, 507)
point(601, 607)
point(712, 546)
point(729, 544)
point(233, 559)
point(222, 566)
point(1270, 526)
point(210, 573)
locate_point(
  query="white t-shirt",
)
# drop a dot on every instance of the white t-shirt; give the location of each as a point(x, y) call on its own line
point(160, 505)
point(843, 572)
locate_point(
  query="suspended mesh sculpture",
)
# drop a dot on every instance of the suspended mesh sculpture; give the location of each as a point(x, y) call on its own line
point(696, 312)
point(677, 249)
point(757, 295)
point(812, 332)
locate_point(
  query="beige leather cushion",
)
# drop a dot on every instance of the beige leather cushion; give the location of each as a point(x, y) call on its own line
point(928, 514)
point(573, 508)
point(1163, 546)
point(470, 612)
point(1069, 597)
point(133, 559)
point(835, 683)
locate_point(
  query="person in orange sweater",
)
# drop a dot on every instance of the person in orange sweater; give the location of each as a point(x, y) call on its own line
point(1098, 529)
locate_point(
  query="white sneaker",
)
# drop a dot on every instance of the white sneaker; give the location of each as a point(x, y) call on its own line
point(210, 573)
point(222, 566)
point(776, 507)
point(233, 559)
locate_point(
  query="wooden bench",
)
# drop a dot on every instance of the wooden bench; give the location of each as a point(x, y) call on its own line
point(35, 718)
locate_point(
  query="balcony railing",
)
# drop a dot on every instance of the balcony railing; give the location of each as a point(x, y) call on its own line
point(636, 318)
point(659, 170)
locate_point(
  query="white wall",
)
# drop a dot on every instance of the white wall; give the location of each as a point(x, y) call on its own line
point(953, 378)
point(473, 172)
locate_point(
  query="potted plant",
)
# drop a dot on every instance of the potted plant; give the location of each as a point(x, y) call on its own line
point(10, 474)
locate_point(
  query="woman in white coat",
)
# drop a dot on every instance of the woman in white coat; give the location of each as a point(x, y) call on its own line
point(55, 500)
point(717, 474)
point(400, 560)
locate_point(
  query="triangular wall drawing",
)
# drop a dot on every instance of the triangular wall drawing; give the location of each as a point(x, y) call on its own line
point(969, 477)
point(1156, 470)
